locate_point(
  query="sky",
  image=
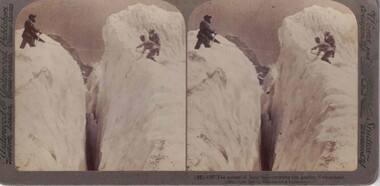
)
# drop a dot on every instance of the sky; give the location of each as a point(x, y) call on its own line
point(256, 22)
point(80, 22)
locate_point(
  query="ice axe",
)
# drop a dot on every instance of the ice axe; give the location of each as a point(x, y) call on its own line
point(212, 41)
point(314, 53)
point(38, 38)
point(138, 51)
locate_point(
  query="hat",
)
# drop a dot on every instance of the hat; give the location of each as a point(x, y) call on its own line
point(31, 16)
point(207, 17)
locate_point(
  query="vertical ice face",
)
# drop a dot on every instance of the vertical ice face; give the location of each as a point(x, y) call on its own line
point(223, 93)
point(49, 108)
point(315, 103)
point(140, 107)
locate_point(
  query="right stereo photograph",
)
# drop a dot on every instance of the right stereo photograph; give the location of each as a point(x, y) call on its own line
point(272, 86)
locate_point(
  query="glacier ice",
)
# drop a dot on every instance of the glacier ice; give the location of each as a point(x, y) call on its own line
point(140, 106)
point(315, 103)
point(50, 108)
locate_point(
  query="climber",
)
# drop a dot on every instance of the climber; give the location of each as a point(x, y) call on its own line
point(30, 32)
point(329, 39)
point(205, 33)
point(324, 47)
point(148, 45)
point(153, 36)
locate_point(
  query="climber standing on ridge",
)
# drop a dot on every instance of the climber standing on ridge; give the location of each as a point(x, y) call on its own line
point(153, 36)
point(205, 33)
point(149, 45)
point(324, 47)
point(329, 39)
point(30, 32)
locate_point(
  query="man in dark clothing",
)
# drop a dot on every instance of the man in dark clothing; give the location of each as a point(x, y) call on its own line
point(329, 39)
point(153, 36)
point(324, 47)
point(30, 32)
point(205, 33)
point(148, 45)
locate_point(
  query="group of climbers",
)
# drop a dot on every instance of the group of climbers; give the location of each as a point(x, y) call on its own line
point(153, 44)
point(31, 35)
point(328, 47)
point(205, 37)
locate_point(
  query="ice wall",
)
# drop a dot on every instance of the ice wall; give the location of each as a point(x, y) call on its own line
point(140, 107)
point(49, 108)
point(223, 107)
point(315, 103)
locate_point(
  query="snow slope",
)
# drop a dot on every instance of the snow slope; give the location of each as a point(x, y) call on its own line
point(50, 108)
point(140, 106)
point(315, 103)
point(223, 108)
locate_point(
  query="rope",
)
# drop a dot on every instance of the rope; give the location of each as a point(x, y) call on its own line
point(102, 50)
point(250, 49)
point(88, 49)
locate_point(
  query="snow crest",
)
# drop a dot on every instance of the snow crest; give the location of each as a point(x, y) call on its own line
point(140, 107)
point(50, 108)
point(315, 103)
point(223, 109)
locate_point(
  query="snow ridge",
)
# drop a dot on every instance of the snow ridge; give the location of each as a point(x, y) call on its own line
point(140, 107)
point(223, 108)
point(50, 108)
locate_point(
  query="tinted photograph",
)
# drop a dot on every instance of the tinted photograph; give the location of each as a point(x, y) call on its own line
point(272, 86)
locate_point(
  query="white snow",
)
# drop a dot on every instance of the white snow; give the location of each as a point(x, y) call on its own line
point(140, 107)
point(49, 108)
point(223, 93)
point(315, 103)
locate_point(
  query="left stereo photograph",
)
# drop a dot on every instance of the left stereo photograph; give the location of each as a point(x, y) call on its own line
point(100, 85)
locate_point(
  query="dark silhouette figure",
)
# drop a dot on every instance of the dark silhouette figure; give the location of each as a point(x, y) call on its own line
point(205, 33)
point(149, 45)
point(324, 47)
point(29, 36)
point(329, 39)
point(153, 36)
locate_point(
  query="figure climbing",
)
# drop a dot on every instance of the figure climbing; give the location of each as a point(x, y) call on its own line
point(149, 45)
point(153, 36)
point(205, 34)
point(30, 32)
point(329, 39)
point(324, 47)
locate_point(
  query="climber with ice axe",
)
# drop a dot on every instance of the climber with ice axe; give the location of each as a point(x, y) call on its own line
point(29, 36)
point(148, 45)
point(205, 34)
point(327, 49)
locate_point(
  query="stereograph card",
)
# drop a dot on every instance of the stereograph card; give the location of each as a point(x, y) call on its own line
point(189, 92)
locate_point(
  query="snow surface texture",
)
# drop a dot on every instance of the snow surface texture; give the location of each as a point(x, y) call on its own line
point(315, 103)
point(140, 107)
point(50, 108)
point(223, 108)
